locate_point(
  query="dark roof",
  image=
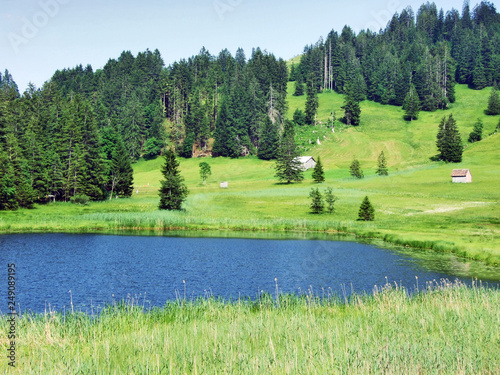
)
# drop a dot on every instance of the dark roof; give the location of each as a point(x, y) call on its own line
point(459, 172)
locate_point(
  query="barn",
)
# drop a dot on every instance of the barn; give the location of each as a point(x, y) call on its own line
point(306, 162)
point(461, 175)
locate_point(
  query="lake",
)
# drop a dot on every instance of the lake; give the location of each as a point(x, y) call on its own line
point(100, 269)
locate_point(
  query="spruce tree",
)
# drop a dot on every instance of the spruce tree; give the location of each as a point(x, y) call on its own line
point(299, 86)
point(173, 191)
point(318, 174)
point(352, 111)
point(477, 133)
point(311, 102)
point(355, 169)
point(317, 204)
point(288, 167)
point(299, 118)
point(382, 165)
point(121, 178)
point(7, 184)
point(330, 200)
point(493, 103)
point(366, 211)
point(411, 104)
point(269, 138)
point(225, 134)
point(449, 142)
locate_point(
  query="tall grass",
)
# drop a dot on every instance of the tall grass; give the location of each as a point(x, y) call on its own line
point(446, 328)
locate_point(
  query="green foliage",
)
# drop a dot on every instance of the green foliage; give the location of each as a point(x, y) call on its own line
point(382, 165)
point(121, 178)
point(81, 199)
point(330, 200)
point(366, 210)
point(187, 146)
point(318, 174)
point(151, 148)
point(355, 169)
point(449, 142)
point(493, 103)
point(299, 86)
point(299, 118)
point(205, 171)
point(352, 110)
point(288, 168)
point(173, 191)
point(311, 102)
point(477, 133)
point(317, 204)
point(411, 104)
point(269, 140)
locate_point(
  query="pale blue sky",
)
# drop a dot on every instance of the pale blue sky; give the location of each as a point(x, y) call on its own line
point(39, 36)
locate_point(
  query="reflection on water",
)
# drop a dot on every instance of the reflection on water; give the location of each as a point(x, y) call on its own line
point(99, 269)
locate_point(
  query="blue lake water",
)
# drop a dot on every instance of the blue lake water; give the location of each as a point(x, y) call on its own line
point(100, 269)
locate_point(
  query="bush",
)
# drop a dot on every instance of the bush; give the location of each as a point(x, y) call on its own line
point(80, 199)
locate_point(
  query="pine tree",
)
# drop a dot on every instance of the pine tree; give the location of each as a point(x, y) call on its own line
point(477, 133)
point(205, 171)
point(299, 86)
point(318, 174)
point(173, 191)
point(268, 145)
point(311, 102)
point(411, 104)
point(352, 111)
point(121, 178)
point(382, 165)
point(7, 184)
point(493, 103)
point(330, 200)
point(449, 142)
point(288, 167)
point(355, 169)
point(317, 204)
point(225, 134)
point(366, 211)
point(299, 118)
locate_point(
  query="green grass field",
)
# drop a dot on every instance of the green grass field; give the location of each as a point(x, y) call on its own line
point(449, 329)
point(416, 205)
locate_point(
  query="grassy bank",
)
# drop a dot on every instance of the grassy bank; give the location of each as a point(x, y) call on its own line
point(416, 205)
point(448, 329)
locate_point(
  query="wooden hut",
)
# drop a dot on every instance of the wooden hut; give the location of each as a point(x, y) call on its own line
point(461, 176)
point(307, 162)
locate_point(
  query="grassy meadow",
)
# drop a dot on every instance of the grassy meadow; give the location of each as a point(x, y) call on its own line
point(448, 329)
point(416, 205)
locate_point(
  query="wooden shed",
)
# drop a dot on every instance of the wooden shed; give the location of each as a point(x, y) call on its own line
point(307, 162)
point(461, 176)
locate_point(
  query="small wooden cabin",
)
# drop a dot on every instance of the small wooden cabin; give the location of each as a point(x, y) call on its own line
point(307, 162)
point(461, 176)
point(224, 185)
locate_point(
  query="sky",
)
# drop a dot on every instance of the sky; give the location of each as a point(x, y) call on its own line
point(37, 37)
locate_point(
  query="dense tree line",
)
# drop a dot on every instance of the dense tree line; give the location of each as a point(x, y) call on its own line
point(424, 54)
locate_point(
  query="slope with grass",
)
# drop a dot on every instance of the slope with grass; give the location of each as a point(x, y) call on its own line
point(416, 205)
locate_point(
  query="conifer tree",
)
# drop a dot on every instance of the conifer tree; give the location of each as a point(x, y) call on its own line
point(173, 191)
point(288, 167)
point(268, 145)
point(299, 86)
point(366, 211)
point(317, 204)
point(411, 104)
point(477, 133)
point(493, 102)
point(299, 118)
point(382, 165)
point(352, 111)
point(449, 142)
point(121, 179)
point(355, 169)
point(318, 174)
point(7, 184)
point(225, 134)
point(311, 102)
point(330, 200)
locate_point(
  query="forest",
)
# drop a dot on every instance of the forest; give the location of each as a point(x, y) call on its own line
point(77, 135)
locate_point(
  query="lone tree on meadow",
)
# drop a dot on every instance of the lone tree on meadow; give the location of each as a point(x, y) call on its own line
point(318, 174)
point(382, 165)
point(477, 133)
point(317, 204)
point(173, 191)
point(205, 171)
point(366, 211)
point(288, 167)
point(355, 169)
point(449, 142)
point(493, 103)
point(330, 200)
